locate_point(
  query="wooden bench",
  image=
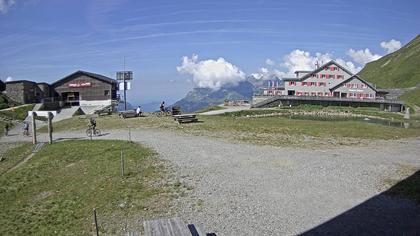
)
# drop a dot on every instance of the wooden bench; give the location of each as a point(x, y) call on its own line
point(185, 118)
point(127, 114)
point(170, 227)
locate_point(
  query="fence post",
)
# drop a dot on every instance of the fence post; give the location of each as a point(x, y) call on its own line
point(122, 164)
point(33, 128)
point(50, 130)
point(96, 222)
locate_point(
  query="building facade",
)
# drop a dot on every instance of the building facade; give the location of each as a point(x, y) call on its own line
point(78, 89)
point(85, 89)
point(24, 91)
point(329, 80)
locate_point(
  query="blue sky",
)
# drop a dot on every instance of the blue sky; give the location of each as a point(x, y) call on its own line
point(45, 40)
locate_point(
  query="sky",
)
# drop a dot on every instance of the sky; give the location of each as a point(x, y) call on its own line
point(174, 46)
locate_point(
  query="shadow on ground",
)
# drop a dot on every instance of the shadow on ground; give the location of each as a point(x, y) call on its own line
point(388, 213)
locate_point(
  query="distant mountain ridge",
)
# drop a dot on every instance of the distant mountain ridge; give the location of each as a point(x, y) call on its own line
point(200, 98)
point(400, 69)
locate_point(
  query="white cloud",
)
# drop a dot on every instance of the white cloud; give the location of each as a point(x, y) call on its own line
point(391, 46)
point(9, 79)
point(5, 5)
point(301, 60)
point(362, 56)
point(270, 62)
point(211, 74)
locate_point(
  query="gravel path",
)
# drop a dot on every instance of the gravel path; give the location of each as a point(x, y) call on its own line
point(241, 189)
point(226, 110)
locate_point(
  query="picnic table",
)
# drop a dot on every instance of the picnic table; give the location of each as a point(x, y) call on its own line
point(127, 114)
point(185, 118)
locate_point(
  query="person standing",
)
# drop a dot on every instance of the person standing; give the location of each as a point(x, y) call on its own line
point(138, 111)
point(25, 128)
point(162, 106)
point(6, 129)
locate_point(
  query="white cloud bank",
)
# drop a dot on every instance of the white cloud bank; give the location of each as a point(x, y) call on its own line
point(5, 5)
point(391, 46)
point(8, 79)
point(362, 56)
point(301, 60)
point(211, 74)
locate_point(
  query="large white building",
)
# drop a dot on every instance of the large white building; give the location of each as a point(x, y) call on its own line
point(329, 80)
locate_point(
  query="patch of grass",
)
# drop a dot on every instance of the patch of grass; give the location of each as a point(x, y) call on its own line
point(277, 131)
point(412, 97)
point(13, 156)
point(210, 108)
point(3, 102)
point(55, 191)
point(18, 113)
point(2, 125)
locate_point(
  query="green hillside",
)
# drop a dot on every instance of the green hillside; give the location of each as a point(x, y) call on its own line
point(400, 69)
point(412, 97)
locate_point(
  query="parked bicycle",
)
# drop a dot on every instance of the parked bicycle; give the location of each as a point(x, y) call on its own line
point(92, 131)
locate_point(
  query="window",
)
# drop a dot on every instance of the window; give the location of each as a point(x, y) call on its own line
point(340, 76)
point(106, 92)
point(320, 94)
point(327, 94)
point(331, 76)
point(313, 94)
point(323, 76)
point(292, 83)
point(304, 83)
point(322, 84)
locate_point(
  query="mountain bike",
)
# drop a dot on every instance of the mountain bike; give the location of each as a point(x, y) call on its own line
point(90, 131)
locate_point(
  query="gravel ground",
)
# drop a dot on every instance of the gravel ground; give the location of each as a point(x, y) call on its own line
point(226, 110)
point(242, 189)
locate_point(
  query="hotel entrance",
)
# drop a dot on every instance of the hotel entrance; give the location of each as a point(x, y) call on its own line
point(71, 98)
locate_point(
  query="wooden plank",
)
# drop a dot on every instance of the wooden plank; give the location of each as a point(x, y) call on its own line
point(185, 115)
point(165, 227)
point(195, 231)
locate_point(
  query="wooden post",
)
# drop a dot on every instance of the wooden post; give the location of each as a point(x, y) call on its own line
point(96, 222)
point(122, 164)
point(33, 128)
point(50, 130)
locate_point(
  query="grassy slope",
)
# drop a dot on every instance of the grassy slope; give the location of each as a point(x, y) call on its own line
point(400, 69)
point(412, 98)
point(19, 113)
point(3, 102)
point(266, 130)
point(14, 155)
point(54, 192)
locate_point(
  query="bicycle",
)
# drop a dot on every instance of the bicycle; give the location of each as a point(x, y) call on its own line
point(90, 131)
point(161, 113)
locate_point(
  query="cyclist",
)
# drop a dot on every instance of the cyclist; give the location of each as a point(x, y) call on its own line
point(92, 123)
point(162, 106)
point(25, 128)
